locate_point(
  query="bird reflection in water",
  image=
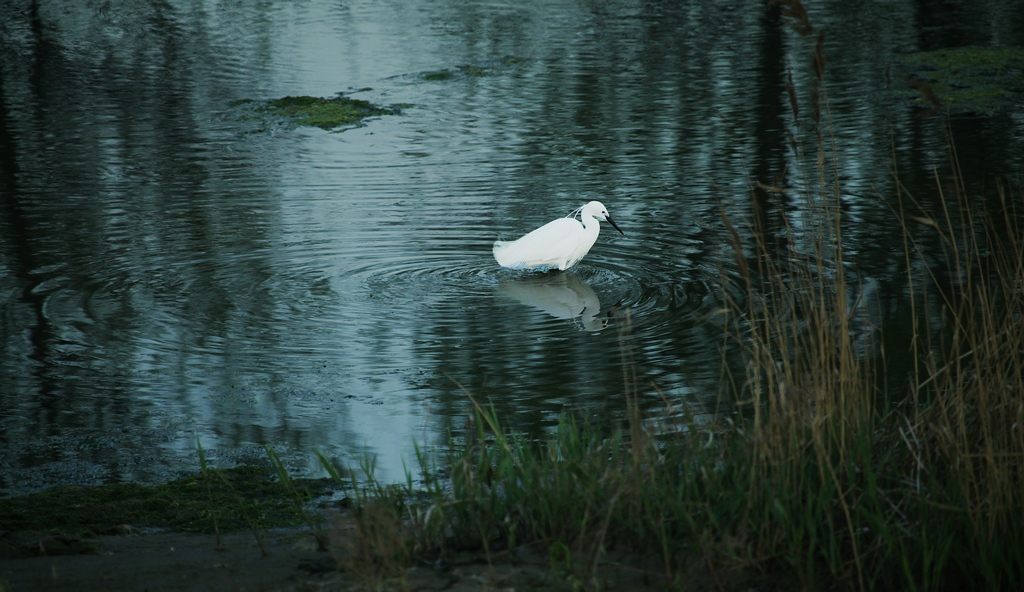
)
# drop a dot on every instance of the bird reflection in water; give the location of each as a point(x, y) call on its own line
point(562, 295)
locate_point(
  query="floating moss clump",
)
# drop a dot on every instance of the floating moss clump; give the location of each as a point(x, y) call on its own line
point(326, 113)
point(470, 70)
point(438, 75)
point(982, 80)
point(244, 495)
point(464, 70)
point(486, 68)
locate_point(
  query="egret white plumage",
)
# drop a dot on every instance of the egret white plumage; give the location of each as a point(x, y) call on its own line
point(559, 244)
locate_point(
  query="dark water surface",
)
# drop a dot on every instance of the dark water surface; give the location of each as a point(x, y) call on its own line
point(172, 266)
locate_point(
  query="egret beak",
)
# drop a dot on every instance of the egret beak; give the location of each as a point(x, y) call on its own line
point(612, 222)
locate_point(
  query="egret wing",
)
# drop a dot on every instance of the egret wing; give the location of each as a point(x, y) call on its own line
point(550, 245)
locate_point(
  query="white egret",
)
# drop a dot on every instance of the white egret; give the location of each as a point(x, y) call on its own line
point(559, 244)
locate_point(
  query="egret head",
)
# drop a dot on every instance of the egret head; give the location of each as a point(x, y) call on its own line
point(597, 210)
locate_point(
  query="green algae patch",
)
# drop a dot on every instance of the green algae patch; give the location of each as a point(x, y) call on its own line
point(326, 113)
point(980, 80)
point(332, 114)
point(478, 70)
point(465, 70)
point(471, 70)
point(438, 75)
point(241, 498)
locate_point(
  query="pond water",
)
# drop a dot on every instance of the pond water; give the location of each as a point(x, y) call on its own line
point(173, 266)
